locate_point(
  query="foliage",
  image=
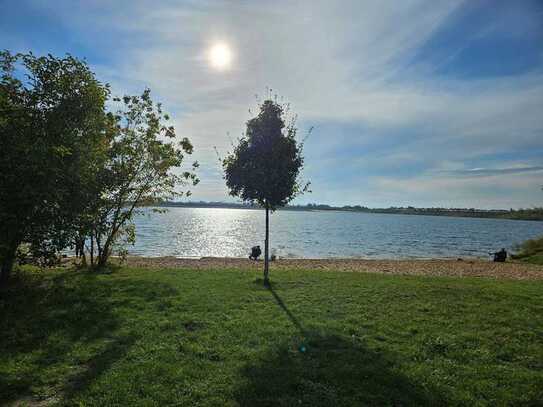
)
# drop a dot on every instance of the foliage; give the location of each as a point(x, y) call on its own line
point(72, 174)
point(138, 171)
point(265, 165)
point(51, 117)
point(525, 214)
point(531, 251)
point(91, 339)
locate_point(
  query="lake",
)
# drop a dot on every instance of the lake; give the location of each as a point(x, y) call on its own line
point(202, 232)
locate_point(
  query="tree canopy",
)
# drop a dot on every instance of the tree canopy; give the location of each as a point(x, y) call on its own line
point(72, 172)
point(138, 170)
point(265, 165)
point(51, 118)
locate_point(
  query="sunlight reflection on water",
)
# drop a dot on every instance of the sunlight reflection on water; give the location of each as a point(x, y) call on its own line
point(201, 232)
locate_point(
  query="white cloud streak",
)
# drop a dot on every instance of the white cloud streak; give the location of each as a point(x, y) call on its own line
point(339, 62)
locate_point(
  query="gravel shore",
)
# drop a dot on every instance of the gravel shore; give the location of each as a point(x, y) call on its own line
point(456, 268)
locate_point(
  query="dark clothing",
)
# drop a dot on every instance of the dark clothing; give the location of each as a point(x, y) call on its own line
point(255, 253)
point(500, 256)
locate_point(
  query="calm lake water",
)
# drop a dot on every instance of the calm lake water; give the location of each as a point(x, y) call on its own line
point(200, 232)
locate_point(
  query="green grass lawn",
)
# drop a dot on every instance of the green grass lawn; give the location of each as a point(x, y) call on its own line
point(534, 259)
point(184, 337)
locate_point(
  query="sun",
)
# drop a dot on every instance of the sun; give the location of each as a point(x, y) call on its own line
point(220, 56)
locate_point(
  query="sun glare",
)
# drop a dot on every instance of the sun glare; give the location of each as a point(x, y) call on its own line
point(220, 56)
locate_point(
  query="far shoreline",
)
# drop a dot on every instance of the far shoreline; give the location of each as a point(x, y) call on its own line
point(534, 214)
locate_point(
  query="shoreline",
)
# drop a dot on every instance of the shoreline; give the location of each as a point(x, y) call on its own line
point(471, 267)
point(522, 214)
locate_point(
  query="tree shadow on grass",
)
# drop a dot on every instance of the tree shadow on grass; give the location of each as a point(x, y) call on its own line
point(289, 314)
point(115, 350)
point(327, 369)
point(61, 333)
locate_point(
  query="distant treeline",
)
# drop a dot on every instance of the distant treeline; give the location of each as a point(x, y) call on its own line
point(519, 214)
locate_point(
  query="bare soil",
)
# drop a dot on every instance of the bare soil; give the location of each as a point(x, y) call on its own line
point(454, 268)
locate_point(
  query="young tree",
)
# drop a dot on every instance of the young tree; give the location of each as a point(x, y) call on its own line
point(51, 113)
point(265, 166)
point(138, 171)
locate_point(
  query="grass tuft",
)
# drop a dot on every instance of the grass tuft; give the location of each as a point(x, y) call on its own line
point(531, 251)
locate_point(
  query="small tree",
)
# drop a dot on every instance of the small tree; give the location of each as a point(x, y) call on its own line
point(265, 165)
point(139, 171)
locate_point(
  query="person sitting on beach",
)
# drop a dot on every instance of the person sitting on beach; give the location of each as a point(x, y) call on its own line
point(500, 256)
point(255, 253)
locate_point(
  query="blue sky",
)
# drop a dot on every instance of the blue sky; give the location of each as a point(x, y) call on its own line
point(424, 103)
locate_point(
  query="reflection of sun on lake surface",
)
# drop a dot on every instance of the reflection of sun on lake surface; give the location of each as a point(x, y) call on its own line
point(221, 232)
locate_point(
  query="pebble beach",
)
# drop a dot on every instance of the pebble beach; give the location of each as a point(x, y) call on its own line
point(439, 267)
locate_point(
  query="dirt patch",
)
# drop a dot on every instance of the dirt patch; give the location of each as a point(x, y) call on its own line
point(456, 268)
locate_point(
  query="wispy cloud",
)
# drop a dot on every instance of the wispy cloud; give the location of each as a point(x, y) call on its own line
point(369, 75)
point(478, 172)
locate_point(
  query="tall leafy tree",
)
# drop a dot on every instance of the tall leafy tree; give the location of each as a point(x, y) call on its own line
point(51, 125)
point(264, 167)
point(142, 168)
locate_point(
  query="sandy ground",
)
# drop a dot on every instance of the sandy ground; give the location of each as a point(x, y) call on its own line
point(458, 268)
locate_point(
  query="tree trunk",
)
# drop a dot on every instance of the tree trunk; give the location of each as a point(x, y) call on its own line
point(80, 245)
point(7, 260)
point(92, 249)
point(106, 250)
point(104, 255)
point(98, 249)
point(266, 249)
